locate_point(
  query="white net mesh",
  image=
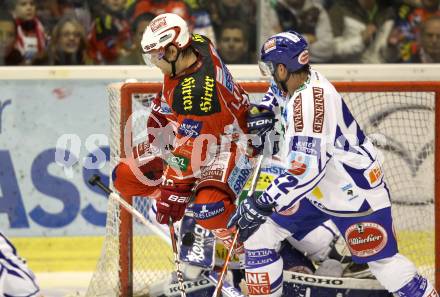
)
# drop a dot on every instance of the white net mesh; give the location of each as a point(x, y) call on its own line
point(151, 255)
point(402, 126)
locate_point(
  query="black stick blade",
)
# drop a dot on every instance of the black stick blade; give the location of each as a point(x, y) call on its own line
point(188, 239)
point(94, 179)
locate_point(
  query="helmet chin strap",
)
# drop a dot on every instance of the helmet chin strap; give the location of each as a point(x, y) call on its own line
point(173, 63)
point(282, 83)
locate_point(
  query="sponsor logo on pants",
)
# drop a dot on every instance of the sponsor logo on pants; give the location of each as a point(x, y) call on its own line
point(366, 239)
point(258, 283)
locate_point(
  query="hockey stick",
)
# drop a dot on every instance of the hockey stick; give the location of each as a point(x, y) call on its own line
point(251, 191)
point(95, 180)
point(176, 258)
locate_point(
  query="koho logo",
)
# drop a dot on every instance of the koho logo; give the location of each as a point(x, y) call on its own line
point(189, 285)
point(306, 279)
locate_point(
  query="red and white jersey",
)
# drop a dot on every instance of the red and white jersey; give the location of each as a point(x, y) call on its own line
point(330, 160)
point(206, 105)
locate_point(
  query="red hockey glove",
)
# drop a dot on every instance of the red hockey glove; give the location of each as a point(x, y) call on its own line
point(172, 203)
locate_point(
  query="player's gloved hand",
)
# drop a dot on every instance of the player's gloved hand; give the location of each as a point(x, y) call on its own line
point(260, 122)
point(248, 217)
point(160, 131)
point(172, 203)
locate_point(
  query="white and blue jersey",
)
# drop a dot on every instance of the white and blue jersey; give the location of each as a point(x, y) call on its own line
point(330, 160)
point(274, 98)
point(16, 279)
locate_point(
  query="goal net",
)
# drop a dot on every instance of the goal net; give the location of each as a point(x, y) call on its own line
point(401, 119)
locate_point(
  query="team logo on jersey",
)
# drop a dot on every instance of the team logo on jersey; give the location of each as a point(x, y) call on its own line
point(305, 153)
point(196, 95)
point(348, 189)
point(307, 145)
point(318, 118)
point(258, 283)
point(215, 172)
point(366, 239)
point(257, 258)
point(273, 170)
point(206, 99)
point(216, 168)
point(142, 149)
point(298, 114)
point(177, 161)
point(303, 58)
point(222, 74)
point(239, 175)
point(190, 128)
point(297, 167)
point(375, 175)
point(224, 78)
point(188, 84)
point(263, 182)
point(209, 210)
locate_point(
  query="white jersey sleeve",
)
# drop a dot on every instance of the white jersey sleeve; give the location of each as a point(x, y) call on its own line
point(273, 99)
point(329, 159)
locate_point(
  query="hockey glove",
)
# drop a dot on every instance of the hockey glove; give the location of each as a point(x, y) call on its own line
point(261, 122)
point(172, 203)
point(248, 217)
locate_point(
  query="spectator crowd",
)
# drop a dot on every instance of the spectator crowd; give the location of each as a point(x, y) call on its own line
point(104, 32)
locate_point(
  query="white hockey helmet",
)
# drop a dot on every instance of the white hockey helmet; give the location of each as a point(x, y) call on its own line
point(164, 30)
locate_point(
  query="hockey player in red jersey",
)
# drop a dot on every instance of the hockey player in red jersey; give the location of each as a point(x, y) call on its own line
point(140, 173)
point(209, 110)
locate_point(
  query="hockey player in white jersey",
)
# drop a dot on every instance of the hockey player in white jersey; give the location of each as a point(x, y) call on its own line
point(16, 279)
point(333, 165)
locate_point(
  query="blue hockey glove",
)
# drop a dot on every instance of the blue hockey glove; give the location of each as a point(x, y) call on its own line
point(248, 217)
point(261, 122)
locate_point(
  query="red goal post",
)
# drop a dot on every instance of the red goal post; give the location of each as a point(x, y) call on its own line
point(405, 113)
